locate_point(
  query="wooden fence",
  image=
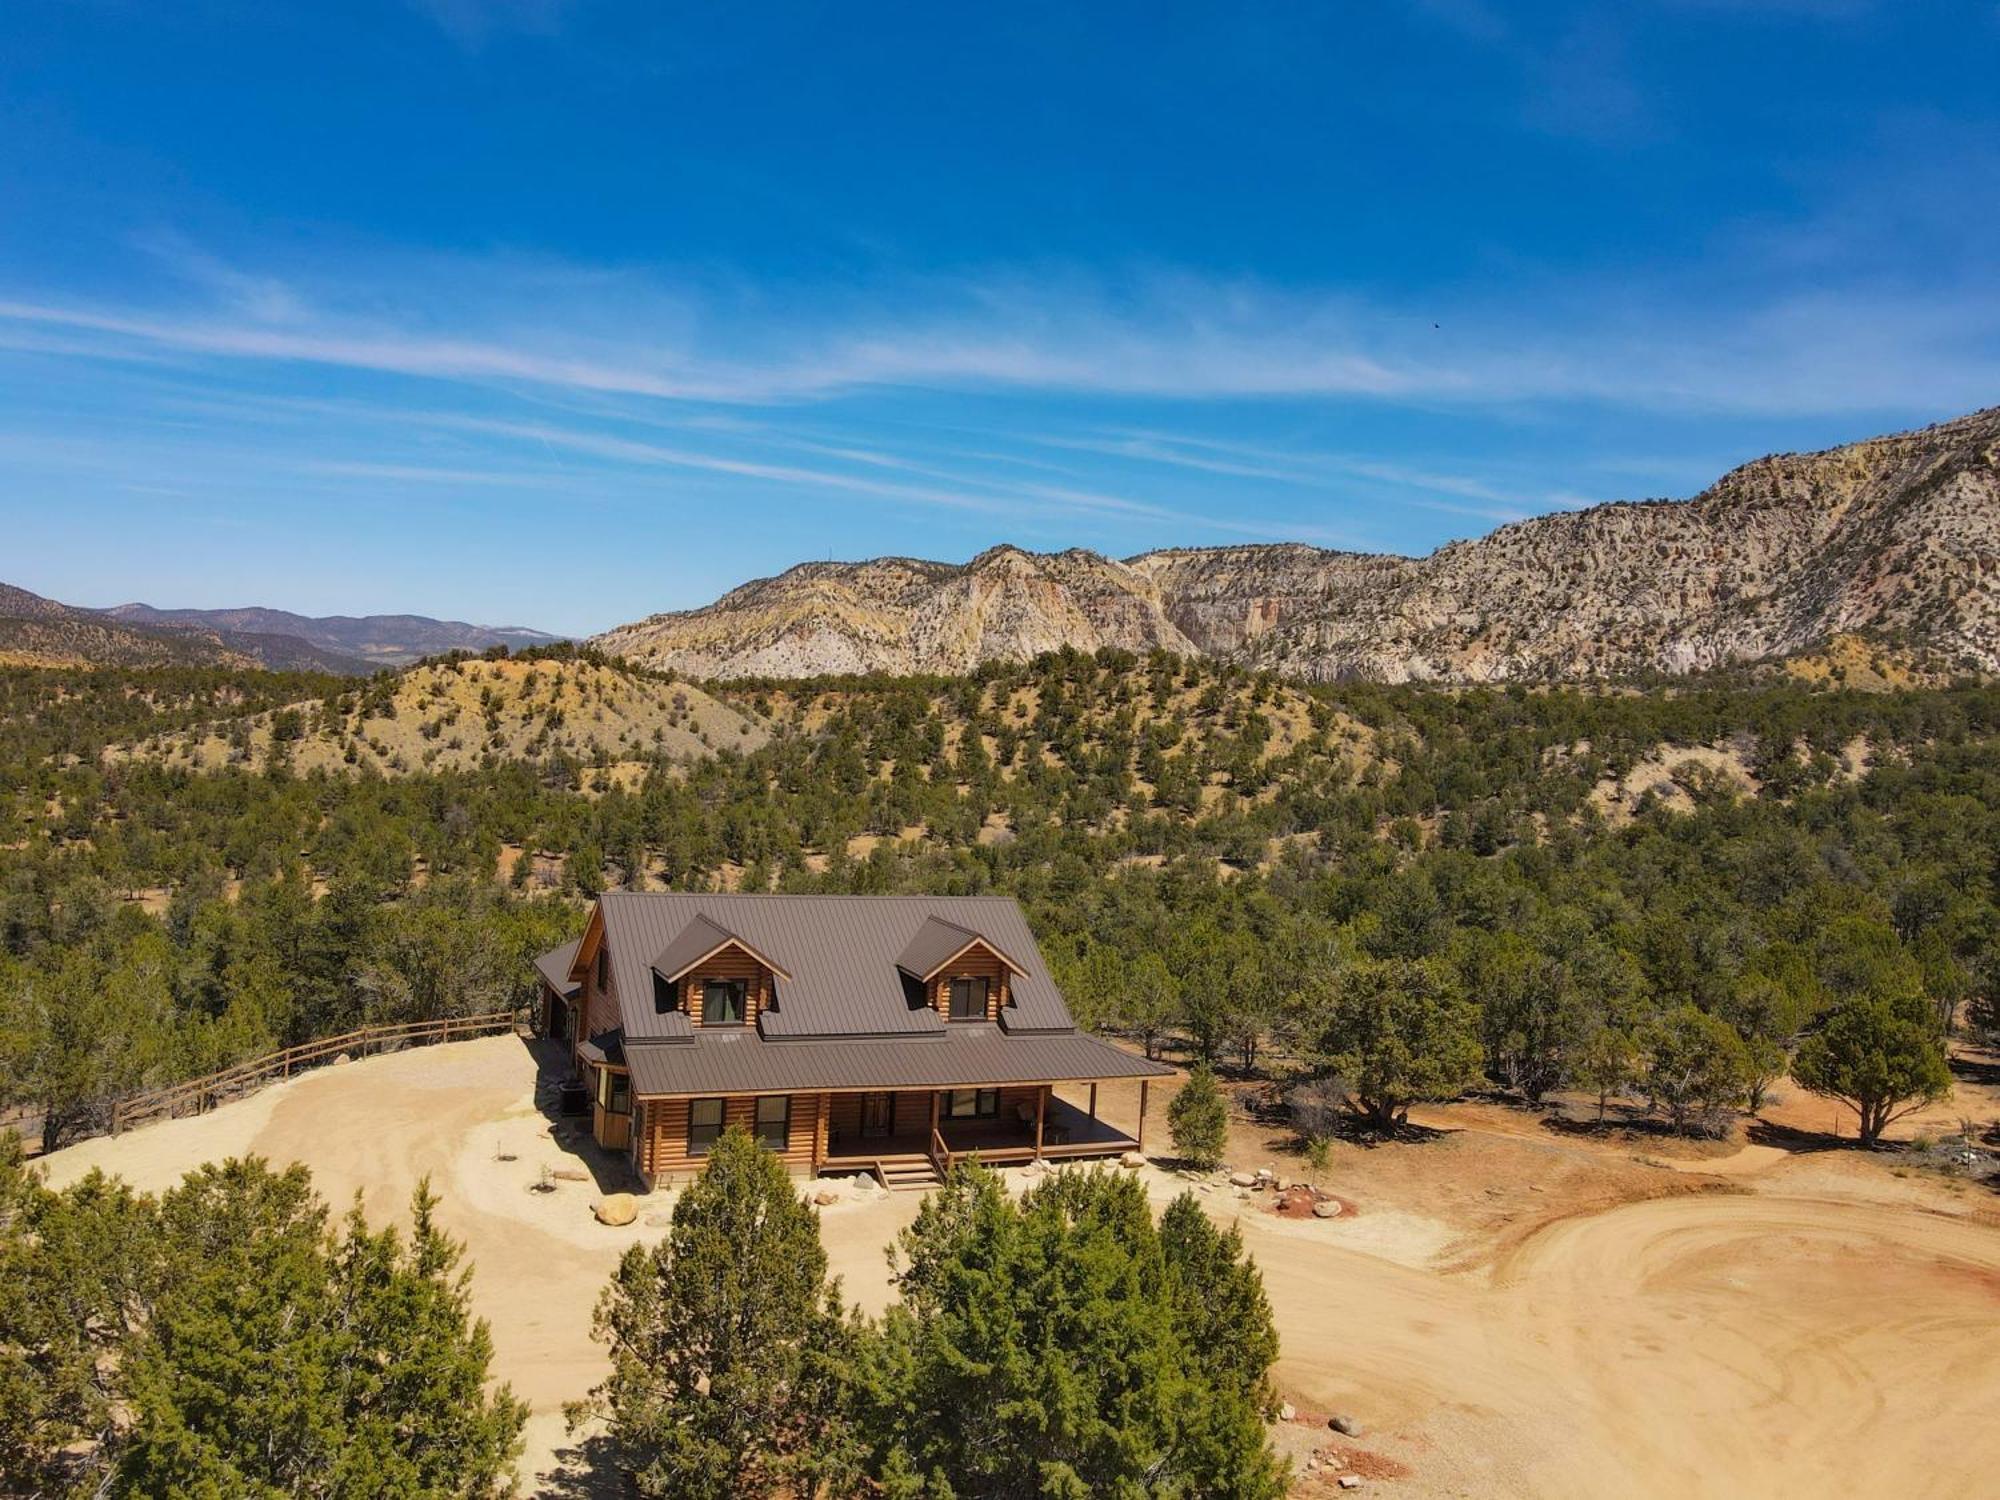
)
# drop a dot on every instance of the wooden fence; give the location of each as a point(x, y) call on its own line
point(198, 1095)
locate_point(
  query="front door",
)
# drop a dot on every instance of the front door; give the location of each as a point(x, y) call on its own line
point(878, 1115)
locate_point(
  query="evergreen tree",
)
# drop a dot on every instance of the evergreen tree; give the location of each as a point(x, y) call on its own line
point(76, 1274)
point(1048, 1349)
point(729, 1352)
point(1880, 1056)
point(1697, 1066)
point(282, 1359)
point(1394, 1031)
point(1198, 1120)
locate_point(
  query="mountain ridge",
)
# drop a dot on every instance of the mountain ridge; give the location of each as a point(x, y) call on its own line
point(1892, 538)
point(373, 640)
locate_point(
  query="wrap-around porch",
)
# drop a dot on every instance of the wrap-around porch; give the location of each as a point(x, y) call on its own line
point(1018, 1132)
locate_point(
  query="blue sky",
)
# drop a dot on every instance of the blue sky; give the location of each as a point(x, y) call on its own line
point(563, 313)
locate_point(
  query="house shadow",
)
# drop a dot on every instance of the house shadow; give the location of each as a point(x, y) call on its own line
point(610, 1171)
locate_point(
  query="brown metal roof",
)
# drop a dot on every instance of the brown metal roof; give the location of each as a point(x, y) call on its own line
point(605, 1047)
point(843, 954)
point(701, 937)
point(938, 942)
point(554, 965)
point(961, 1057)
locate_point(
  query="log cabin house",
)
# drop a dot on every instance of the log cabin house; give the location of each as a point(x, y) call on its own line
point(880, 1034)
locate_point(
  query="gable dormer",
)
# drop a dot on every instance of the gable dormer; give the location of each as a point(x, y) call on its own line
point(964, 975)
point(714, 977)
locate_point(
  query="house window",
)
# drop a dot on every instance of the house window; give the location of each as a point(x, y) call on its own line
point(704, 1125)
point(666, 993)
point(774, 1120)
point(603, 966)
point(968, 999)
point(972, 1104)
point(722, 1001)
point(614, 1092)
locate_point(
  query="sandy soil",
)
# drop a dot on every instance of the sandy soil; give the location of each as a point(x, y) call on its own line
point(1508, 1310)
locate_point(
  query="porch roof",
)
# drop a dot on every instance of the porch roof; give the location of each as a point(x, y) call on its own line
point(962, 1057)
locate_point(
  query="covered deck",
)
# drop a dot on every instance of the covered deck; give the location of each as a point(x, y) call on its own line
point(1062, 1131)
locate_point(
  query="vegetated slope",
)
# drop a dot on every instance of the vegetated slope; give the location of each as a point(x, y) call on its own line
point(39, 632)
point(1896, 539)
point(377, 640)
point(465, 712)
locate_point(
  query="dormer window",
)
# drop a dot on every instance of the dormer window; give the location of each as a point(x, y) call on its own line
point(666, 993)
point(723, 1001)
point(968, 998)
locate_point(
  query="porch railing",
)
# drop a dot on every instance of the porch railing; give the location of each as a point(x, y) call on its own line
point(198, 1095)
point(940, 1152)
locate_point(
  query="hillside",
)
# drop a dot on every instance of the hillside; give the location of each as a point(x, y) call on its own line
point(463, 713)
point(374, 640)
point(38, 632)
point(1894, 540)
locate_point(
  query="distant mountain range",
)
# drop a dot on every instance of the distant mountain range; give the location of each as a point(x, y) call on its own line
point(1895, 541)
point(43, 632)
point(374, 640)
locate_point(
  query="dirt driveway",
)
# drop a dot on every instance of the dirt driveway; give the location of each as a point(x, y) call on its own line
point(1506, 1315)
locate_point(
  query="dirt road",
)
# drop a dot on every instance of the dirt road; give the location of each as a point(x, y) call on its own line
point(1798, 1330)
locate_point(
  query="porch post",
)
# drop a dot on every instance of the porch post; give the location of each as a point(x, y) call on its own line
point(1041, 1107)
point(934, 1115)
point(1093, 1101)
point(1144, 1085)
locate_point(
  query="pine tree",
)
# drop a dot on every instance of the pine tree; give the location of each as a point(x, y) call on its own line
point(729, 1350)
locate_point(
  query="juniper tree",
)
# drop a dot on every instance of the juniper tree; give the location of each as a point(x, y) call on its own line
point(1049, 1349)
point(1880, 1056)
point(282, 1358)
point(1198, 1120)
point(729, 1351)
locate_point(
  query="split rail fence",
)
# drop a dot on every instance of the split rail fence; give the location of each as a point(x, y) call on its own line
point(198, 1095)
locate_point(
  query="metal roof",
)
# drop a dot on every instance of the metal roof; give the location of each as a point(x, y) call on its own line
point(963, 1056)
point(843, 953)
point(938, 942)
point(554, 966)
point(605, 1047)
point(696, 941)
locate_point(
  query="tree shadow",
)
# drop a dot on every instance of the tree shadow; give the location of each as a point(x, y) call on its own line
point(1983, 1070)
point(587, 1469)
point(1762, 1132)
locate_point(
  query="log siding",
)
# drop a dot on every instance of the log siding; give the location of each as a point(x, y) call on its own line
point(730, 963)
point(977, 962)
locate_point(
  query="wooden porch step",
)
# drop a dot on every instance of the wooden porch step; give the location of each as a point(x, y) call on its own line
point(909, 1176)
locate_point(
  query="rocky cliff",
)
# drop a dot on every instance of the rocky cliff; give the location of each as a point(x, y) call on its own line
point(1896, 538)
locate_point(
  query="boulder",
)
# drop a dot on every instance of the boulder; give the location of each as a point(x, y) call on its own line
point(570, 1174)
point(1132, 1159)
point(826, 1196)
point(1350, 1481)
point(1243, 1179)
point(342, 1058)
point(617, 1208)
point(1326, 1208)
point(1345, 1425)
point(1287, 1412)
